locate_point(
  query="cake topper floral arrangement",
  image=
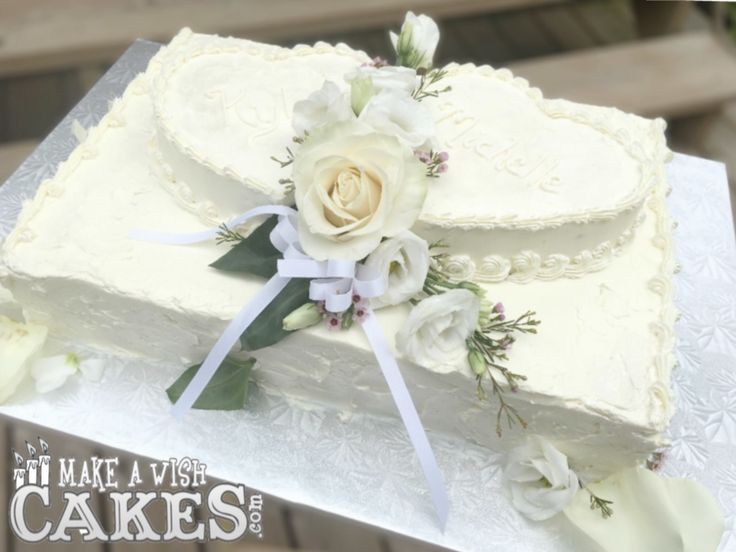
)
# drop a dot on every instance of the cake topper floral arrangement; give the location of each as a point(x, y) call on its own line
point(363, 155)
point(362, 158)
point(361, 161)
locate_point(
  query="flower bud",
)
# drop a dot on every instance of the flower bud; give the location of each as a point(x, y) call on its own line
point(477, 362)
point(486, 310)
point(416, 44)
point(303, 317)
point(361, 91)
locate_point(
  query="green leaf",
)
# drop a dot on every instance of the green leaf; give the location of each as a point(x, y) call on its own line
point(268, 328)
point(227, 390)
point(254, 255)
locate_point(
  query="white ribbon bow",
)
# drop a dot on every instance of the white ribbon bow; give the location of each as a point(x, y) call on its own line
point(333, 281)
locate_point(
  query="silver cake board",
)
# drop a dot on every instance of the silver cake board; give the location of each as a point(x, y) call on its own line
point(363, 467)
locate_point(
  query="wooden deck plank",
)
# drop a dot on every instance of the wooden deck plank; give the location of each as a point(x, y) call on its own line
point(526, 37)
point(46, 34)
point(729, 112)
point(658, 18)
point(477, 40)
point(672, 76)
point(397, 543)
point(245, 547)
point(609, 21)
point(327, 533)
point(6, 480)
point(563, 28)
point(33, 105)
point(12, 155)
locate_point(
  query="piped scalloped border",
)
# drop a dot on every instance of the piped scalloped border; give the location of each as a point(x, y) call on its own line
point(527, 266)
point(661, 405)
point(87, 149)
point(641, 138)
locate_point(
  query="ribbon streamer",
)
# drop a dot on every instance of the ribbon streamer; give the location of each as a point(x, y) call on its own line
point(224, 345)
point(334, 282)
point(409, 416)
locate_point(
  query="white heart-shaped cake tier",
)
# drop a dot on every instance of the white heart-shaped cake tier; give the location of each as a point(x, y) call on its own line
point(223, 113)
point(536, 188)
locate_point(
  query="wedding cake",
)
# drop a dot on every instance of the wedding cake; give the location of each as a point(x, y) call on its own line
point(541, 205)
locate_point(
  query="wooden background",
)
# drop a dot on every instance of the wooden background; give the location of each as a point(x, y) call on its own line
point(668, 59)
point(671, 59)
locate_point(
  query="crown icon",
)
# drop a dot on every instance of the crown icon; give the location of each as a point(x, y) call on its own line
point(35, 469)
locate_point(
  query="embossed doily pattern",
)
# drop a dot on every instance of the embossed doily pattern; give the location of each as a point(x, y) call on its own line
point(322, 458)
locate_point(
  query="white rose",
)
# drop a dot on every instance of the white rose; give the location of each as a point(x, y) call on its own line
point(18, 344)
point(398, 114)
point(542, 484)
point(404, 262)
point(353, 187)
point(651, 513)
point(417, 43)
point(322, 107)
point(436, 329)
point(400, 79)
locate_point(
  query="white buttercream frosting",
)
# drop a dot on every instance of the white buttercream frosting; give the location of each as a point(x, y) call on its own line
point(598, 371)
point(223, 109)
point(545, 188)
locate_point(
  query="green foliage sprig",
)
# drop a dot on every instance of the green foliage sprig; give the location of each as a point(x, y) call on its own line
point(427, 80)
point(598, 503)
point(489, 344)
point(226, 234)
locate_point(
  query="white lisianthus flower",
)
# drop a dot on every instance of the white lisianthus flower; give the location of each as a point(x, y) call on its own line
point(361, 92)
point(322, 107)
point(651, 513)
point(542, 484)
point(435, 332)
point(353, 187)
point(416, 44)
point(404, 262)
point(398, 114)
point(18, 344)
point(52, 372)
point(398, 79)
point(9, 306)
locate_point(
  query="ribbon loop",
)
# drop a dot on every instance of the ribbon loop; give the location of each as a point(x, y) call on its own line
point(334, 282)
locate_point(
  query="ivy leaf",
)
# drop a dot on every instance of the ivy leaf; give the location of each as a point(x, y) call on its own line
point(254, 255)
point(227, 390)
point(267, 329)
